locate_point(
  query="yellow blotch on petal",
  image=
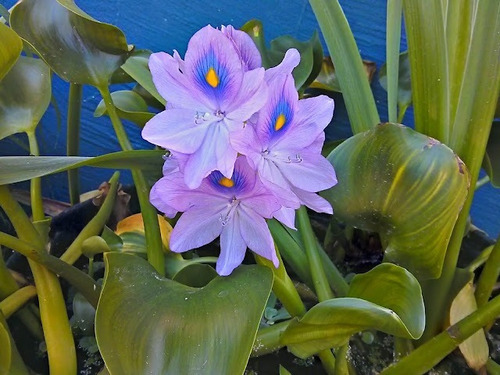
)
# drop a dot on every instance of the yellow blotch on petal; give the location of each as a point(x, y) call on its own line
point(280, 121)
point(212, 78)
point(226, 182)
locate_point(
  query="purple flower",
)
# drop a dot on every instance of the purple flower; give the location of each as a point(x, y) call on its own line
point(210, 94)
point(233, 208)
point(284, 144)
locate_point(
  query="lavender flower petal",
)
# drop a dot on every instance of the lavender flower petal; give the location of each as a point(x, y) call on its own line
point(309, 171)
point(196, 227)
point(177, 130)
point(213, 66)
point(173, 85)
point(215, 151)
point(232, 248)
point(256, 234)
point(246, 48)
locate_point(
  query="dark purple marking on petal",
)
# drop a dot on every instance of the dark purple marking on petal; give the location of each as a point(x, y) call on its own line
point(281, 117)
point(223, 184)
point(211, 75)
point(241, 182)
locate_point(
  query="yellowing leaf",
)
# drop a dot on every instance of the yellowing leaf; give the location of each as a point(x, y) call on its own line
point(135, 224)
point(475, 349)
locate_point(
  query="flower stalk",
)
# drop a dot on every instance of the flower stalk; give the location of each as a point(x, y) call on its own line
point(149, 215)
point(73, 138)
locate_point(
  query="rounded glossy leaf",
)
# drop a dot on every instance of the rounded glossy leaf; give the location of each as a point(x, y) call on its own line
point(149, 325)
point(388, 298)
point(130, 106)
point(77, 47)
point(10, 49)
point(25, 94)
point(407, 187)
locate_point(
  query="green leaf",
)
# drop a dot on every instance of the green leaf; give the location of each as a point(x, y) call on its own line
point(255, 30)
point(25, 94)
point(491, 162)
point(130, 106)
point(404, 80)
point(284, 371)
point(393, 41)
point(163, 327)
point(195, 275)
point(424, 22)
point(355, 87)
point(83, 315)
point(20, 168)
point(311, 55)
point(327, 78)
point(77, 47)
point(481, 76)
point(388, 298)
point(407, 187)
point(10, 360)
point(10, 49)
point(136, 67)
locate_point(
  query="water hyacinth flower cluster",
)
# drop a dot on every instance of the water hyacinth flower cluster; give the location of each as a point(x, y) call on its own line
point(243, 147)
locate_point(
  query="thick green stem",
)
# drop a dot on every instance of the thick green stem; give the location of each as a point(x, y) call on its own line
point(317, 271)
point(480, 259)
point(36, 183)
point(341, 365)
point(22, 223)
point(8, 286)
point(19, 219)
point(283, 287)
point(81, 281)
point(492, 367)
point(290, 251)
point(94, 226)
point(319, 279)
point(56, 328)
point(149, 215)
point(489, 276)
point(328, 361)
point(335, 278)
point(432, 352)
point(17, 366)
point(268, 339)
point(55, 323)
point(73, 138)
point(16, 300)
